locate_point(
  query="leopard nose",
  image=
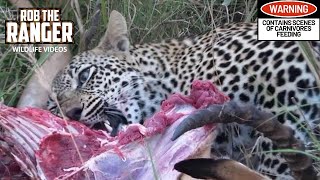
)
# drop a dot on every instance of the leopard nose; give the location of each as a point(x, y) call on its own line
point(74, 113)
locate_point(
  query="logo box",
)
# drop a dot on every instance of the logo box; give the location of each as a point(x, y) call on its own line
point(39, 26)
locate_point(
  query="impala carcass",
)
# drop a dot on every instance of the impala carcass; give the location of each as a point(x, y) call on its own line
point(48, 147)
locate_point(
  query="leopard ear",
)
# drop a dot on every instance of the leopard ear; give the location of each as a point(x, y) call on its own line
point(116, 36)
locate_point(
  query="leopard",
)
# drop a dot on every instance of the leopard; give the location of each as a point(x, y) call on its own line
point(117, 83)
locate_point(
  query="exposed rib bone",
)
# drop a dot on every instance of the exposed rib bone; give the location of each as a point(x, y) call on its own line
point(266, 123)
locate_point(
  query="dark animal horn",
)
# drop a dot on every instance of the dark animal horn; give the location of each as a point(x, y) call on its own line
point(282, 136)
point(221, 169)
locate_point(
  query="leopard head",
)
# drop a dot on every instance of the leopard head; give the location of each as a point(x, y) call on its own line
point(104, 84)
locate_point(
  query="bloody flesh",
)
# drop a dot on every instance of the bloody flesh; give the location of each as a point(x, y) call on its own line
point(47, 147)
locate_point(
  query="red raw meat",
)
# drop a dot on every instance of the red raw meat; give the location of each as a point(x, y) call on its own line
point(47, 147)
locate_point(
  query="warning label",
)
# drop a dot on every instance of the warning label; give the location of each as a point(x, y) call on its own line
point(288, 20)
point(288, 29)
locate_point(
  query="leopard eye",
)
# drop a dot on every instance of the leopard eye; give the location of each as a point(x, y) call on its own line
point(84, 75)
